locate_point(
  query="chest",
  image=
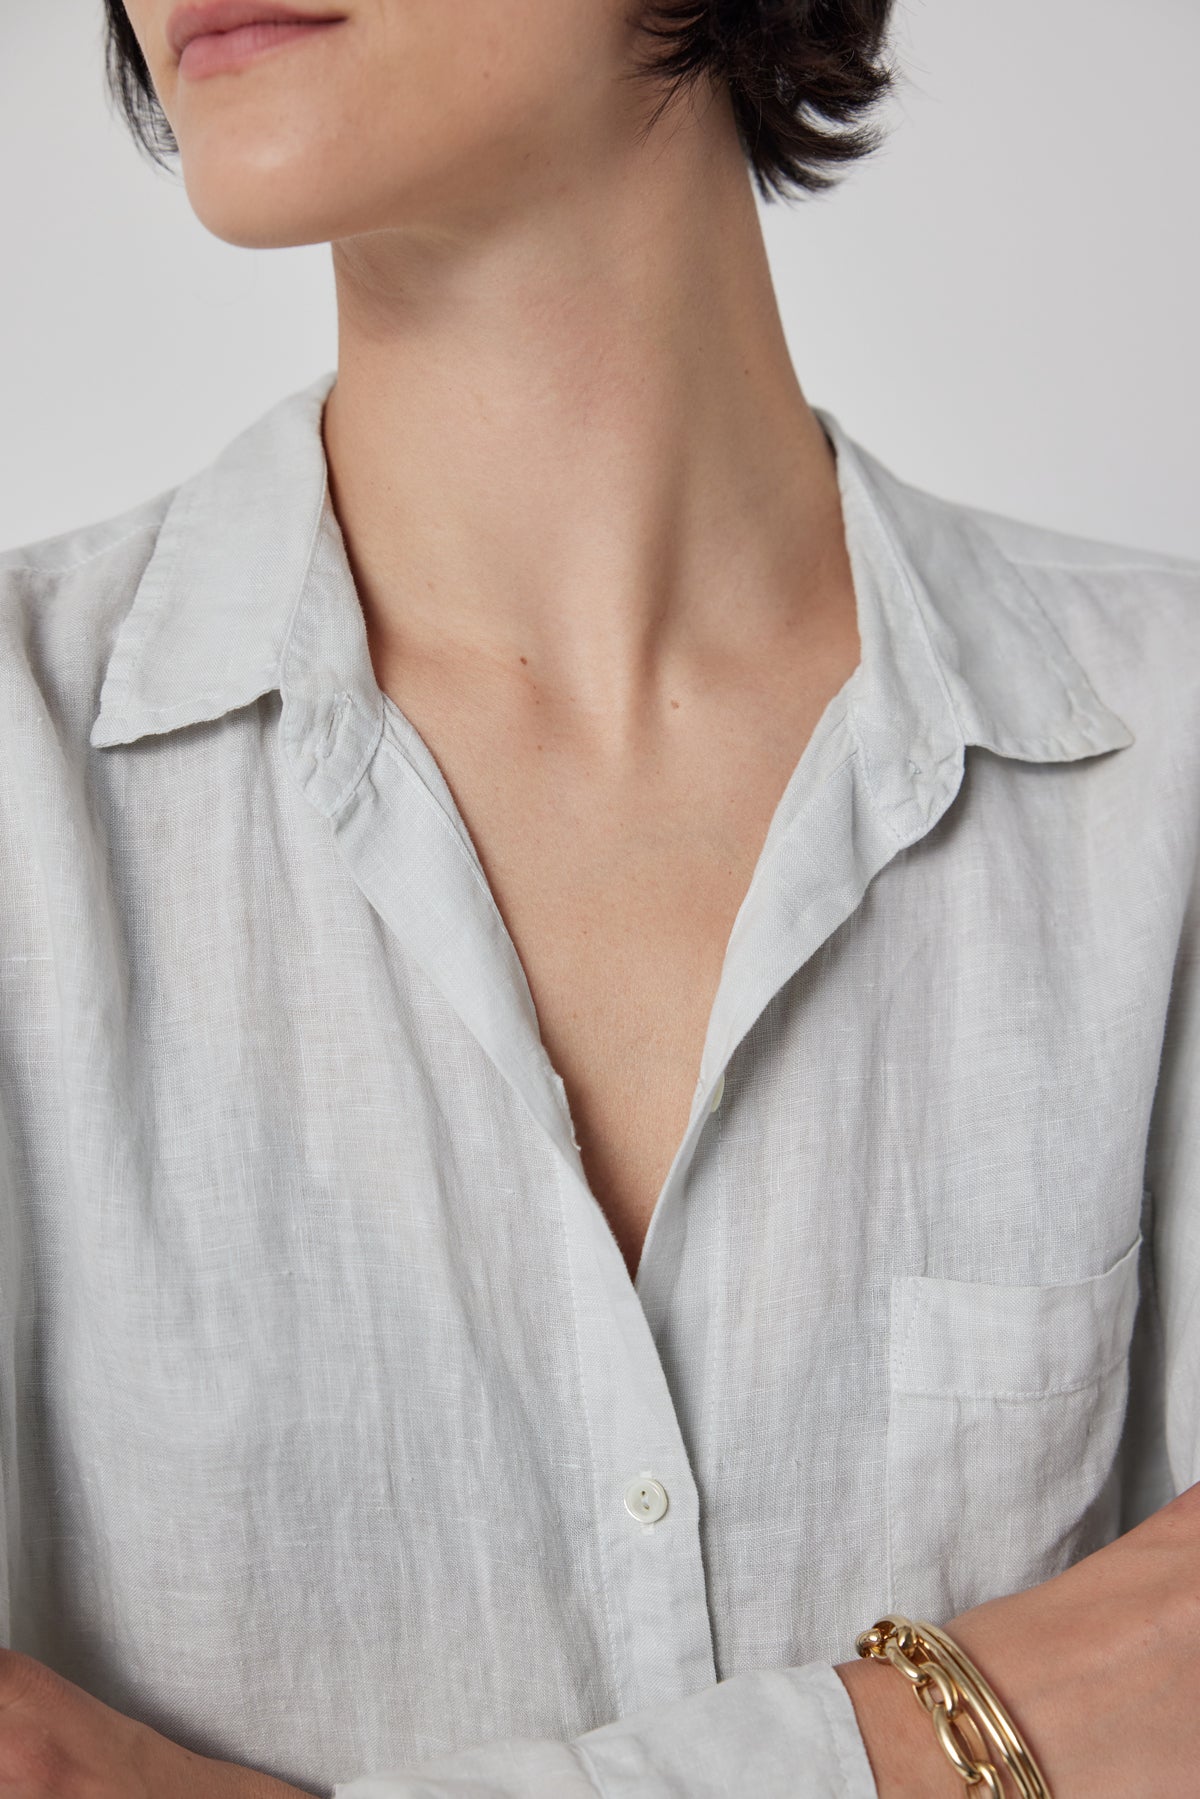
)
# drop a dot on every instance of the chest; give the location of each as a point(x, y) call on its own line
point(285, 1218)
point(619, 889)
point(285, 1247)
point(621, 930)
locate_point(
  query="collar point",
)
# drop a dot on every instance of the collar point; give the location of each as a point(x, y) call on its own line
point(107, 731)
point(1072, 742)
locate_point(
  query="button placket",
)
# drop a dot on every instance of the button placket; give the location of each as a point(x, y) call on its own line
point(651, 1573)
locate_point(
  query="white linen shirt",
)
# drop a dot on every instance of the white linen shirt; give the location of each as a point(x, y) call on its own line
point(325, 1393)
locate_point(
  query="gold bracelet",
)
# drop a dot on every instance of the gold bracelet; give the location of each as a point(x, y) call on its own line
point(948, 1685)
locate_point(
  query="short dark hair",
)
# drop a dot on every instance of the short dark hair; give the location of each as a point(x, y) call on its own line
point(801, 75)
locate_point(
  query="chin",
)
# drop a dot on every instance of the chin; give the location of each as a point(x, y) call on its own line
point(269, 228)
point(260, 207)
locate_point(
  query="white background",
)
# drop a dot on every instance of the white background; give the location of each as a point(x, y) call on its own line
point(1003, 304)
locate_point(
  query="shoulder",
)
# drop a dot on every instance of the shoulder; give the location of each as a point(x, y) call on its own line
point(1131, 612)
point(72, 550)
point(1049, 556)
point(1071, 573)
point(1121, 619)
point(1064, 563)
point(86, 557)
point(62, 600)
point(1064, 567)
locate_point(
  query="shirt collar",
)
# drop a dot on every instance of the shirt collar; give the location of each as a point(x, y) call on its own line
point(248, 590)
point(209, 622)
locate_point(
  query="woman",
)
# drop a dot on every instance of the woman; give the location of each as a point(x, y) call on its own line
point(601, 1000)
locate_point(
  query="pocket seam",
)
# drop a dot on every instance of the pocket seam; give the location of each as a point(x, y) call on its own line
point(1012, 1398)
point(908, 1293)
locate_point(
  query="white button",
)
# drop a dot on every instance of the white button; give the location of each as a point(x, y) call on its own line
point(719, 1095)
point(645, 1500)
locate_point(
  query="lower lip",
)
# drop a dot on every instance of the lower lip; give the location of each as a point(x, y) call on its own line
point(219, 51)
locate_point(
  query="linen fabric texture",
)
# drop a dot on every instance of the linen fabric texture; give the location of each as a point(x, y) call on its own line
point(322, 1378)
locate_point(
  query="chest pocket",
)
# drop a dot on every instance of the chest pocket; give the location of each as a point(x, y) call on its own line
point(1005, 1413)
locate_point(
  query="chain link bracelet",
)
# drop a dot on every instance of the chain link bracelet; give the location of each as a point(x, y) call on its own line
point(964, 1709)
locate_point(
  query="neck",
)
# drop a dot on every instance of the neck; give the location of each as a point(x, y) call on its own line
point(572, 441)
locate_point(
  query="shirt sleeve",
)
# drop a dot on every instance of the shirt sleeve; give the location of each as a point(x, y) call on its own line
point(1173, 1196)
point(786, 1733)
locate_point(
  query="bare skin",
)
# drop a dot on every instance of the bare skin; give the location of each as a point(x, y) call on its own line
point(593, 521)
point(603, 571)
point(620, 848)
point(594, 527)
point(1099, 1667)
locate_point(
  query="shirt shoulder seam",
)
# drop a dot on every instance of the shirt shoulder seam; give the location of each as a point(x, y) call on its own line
point(66, 568)
point(1168, 566)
